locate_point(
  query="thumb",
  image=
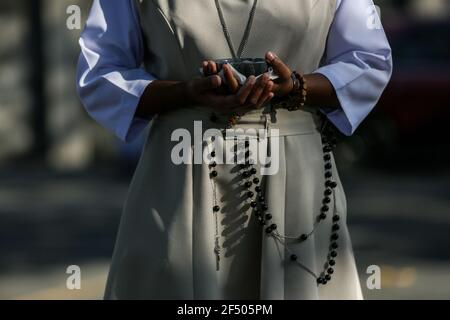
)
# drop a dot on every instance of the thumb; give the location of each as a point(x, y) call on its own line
point(206, 83)
point(278, 66)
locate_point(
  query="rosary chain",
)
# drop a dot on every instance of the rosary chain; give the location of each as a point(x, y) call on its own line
point(246, 32)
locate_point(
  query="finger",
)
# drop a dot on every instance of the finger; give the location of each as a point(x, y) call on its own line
point(212, 66)
point(280, 68)
point(209, 68)
point(265, 95)
point(232, 82)
point(265, 100)
point(205, 68)
point(259, 88)
point(271, 96)
point(232, 102)
point(245, 90)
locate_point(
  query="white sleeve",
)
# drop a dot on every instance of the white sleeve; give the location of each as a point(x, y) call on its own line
point(110, 80)
point(358, 62)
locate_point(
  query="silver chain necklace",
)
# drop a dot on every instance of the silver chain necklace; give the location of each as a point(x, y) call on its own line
point(238, 54)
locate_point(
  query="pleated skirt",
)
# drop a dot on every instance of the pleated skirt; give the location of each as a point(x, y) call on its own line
point(166, 239)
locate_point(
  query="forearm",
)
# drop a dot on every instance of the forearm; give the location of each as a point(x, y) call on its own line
point(161, 96)
point(320, 91)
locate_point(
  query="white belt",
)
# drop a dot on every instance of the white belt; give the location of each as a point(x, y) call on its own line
point(303, 121)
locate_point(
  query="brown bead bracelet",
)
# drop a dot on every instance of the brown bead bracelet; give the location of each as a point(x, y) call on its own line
point(297, 97)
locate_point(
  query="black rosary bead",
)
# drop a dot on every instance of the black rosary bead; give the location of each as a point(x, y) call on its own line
point(216, 208)
point(326, 200)
point(322, 216)
point(253, 204)
point(303, 237)
point(327, 157)
point(213, 164)
point(334, 236)
point(333, 254)
point(334, 245)
point(253, 171)
point(328, 174)
point(214, 174)
point(328, 166)
point(330, 270)
point(328, 192)
point(327, 149)
point(213, 154)
point(335, 227)
point(248, 184)
point(293, 257)
point(331, 184)
point(325, 208)
point(331, 262)
point(269, 230)
point(273, 226)
point(250, 194)
point(336, 218)
point(256, 181)
point(246, 174)
point(268, 216)
point(320, 280)
point(328, 277)
point(258, 189)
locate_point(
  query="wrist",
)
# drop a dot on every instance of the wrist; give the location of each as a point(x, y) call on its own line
point(295, 99)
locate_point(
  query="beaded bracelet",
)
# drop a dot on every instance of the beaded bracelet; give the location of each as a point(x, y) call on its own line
point(297, 98)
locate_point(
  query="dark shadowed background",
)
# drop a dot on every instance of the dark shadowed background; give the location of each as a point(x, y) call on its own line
point(63, 178)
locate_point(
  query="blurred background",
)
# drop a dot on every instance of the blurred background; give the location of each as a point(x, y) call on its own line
point(63, 179)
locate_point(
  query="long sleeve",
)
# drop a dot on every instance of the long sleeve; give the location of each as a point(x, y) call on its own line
point(110, 80)
point(357, 61)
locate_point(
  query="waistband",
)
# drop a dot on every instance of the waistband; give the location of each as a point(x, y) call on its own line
point(266, 121)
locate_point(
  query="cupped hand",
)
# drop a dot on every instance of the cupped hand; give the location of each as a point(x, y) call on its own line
point(280, 87)
point(249, 96)
point(253, 94)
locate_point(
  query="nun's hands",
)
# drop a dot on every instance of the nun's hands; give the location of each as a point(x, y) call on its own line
point(203, 92)
point(253, 94)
